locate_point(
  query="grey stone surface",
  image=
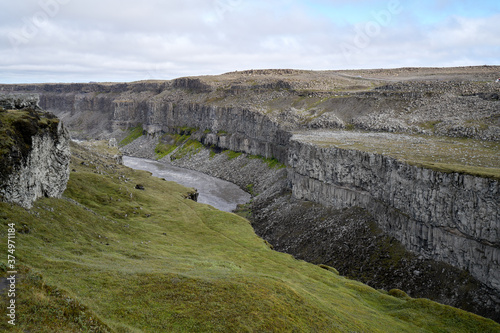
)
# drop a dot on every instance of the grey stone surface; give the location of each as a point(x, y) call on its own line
point(449, 217)
point(43, 173)
point(11, 101)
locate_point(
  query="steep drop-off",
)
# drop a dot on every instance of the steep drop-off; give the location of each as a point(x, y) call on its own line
point(34, 152)
point(447, 213)
point(347, 238)
point(450, 217)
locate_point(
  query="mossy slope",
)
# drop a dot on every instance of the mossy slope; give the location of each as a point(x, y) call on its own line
point(153, 261)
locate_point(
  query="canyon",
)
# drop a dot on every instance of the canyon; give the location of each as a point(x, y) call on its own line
point(439, 199)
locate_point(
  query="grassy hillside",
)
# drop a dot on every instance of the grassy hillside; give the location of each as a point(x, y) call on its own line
point(110, 257)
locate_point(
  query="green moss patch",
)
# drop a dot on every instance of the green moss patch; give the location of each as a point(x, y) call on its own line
point(271, 162)
point(232, 154)
point(134, 133)
point(189, 148)
point(162, 150)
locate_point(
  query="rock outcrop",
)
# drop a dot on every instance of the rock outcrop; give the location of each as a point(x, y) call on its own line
point(448, 216)
point(35, 154)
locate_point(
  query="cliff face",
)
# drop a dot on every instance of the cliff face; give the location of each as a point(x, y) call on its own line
point(451, 217)
point(34, 157)
point(448, 217)
point(233, 128)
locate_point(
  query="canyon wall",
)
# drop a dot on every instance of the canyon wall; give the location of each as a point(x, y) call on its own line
point(232, 128)
point(448, 217)
point(444, 216)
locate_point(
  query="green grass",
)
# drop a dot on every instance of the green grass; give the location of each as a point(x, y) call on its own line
point(232, 154)
point(186, 130)
point(126, 260)
point(250, 189)
point(350, 127)
point(162, 150)
point(271, 162)
point(134, 133)
point(55, 308)
point(188, 148)
point(429, 125)
point(13, 122)
point(221, 133)
point(444, 154)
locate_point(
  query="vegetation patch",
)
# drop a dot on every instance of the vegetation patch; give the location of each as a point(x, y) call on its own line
point(125, 260)
point(429, 125)
point(189, 148)
point(232, 154)
point(134, 133)
point(244, 210)
point(271, 162)
point(187, 131)
point(168, 143)
point(250, 189)
point(162, 150)
point(49, 309)
point(17, 128)
point(221, 133)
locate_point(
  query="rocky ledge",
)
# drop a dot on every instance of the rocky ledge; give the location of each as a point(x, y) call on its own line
point(432, 184)
point(34, 152)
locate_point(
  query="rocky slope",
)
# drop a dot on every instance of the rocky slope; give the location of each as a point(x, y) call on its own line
point(348, 239)
point(447, 212)
point(34, 152)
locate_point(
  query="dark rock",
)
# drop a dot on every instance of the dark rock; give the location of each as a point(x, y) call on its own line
point(193, 195)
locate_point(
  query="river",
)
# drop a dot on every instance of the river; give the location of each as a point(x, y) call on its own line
point(216, 192)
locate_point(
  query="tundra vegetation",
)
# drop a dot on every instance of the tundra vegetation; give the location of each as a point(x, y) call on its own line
point(110, 258)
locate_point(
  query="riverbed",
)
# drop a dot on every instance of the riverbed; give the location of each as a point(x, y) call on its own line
point(213, 191)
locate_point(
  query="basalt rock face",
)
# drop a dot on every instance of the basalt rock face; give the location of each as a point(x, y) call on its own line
point(94, 110)
point(35, 156)
point(450, 217)
point(232, 128)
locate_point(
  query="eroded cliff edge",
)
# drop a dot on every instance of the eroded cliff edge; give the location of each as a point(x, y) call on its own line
point(449, 215)
point(35, 153)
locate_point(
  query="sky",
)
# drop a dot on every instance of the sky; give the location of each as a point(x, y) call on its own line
point(130, 40)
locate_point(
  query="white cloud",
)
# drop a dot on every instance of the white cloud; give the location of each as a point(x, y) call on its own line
point(127, 40)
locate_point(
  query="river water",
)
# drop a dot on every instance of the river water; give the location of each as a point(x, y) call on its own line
point(216, 192)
